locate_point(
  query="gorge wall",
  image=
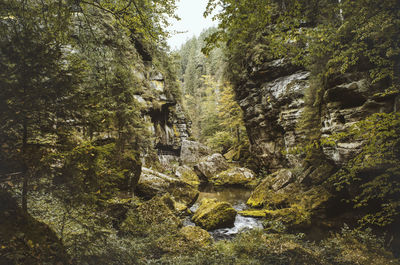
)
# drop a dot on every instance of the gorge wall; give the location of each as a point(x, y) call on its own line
point(273, 102)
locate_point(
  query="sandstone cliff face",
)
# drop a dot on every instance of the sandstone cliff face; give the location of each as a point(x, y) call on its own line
point(168, 123)
point(273, 101)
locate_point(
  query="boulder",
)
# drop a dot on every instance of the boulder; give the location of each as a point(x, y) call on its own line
point(210, 166)
point(213, 214)
point(187, 175)
point(159, 211)
point(235, 176)
point(270, 190)
point(152, 183)
point(192, 152)
point(196, 235)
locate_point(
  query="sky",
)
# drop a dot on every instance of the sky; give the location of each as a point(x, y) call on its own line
point(192, 21)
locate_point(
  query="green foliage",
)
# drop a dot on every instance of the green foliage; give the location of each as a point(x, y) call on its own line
point(375, 170)
point(210, 102)
point(89, 172)
point(354, 247)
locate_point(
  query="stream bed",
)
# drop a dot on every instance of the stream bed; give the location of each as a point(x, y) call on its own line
point(235, 196)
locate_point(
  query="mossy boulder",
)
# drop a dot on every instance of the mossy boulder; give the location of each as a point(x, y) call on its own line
point(187, 240)
point(275, 189)
point(154, 183)
point(300, 210)
point(196, 235)
point(157, 213)
point(213, 214)
point(235, 176)
point(187, 175)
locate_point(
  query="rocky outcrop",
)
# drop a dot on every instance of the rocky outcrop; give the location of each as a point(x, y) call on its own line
point(272, 190)
point(154, 183)
point(161, 109)
point(273, 101)
point(350, 99)
point(213, 214)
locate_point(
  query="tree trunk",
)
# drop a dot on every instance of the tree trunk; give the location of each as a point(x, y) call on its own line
point(238, 133)
point(24, 202)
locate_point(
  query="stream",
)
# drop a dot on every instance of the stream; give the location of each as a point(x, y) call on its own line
point(235, 196)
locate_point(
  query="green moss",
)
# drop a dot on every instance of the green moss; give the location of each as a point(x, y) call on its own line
point(265, 197)
point(213, 214)
point(157, 211)
point(295, 215)
point(253, 213)
point(197, 236)
point(24, 240)
point(176, 131)
point(190, 177)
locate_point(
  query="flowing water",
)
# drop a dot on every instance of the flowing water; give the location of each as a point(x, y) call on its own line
point(235, 196)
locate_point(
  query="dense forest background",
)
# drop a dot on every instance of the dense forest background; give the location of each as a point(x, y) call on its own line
point(89, 90)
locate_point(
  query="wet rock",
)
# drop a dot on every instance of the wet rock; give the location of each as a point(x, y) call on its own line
point(213, 214)
point(235, 176)
point(210, 166)
point(192, 152)
point(196, 235)
point(152, 183)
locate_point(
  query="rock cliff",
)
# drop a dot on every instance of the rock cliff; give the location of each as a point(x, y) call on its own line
point(168, 123)
point(272, 100)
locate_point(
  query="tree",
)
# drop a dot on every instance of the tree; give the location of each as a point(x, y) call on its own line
point(69, 81)
point(34, 79)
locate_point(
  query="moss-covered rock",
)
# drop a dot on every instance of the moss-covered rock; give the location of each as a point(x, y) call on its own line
point(300, 208)
point(196, 235)
point(159, 211)
point(275, 189)
point(253, 213)
point(235, 176)
point(154, 183)
point(213, 214)
point(187, 175)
